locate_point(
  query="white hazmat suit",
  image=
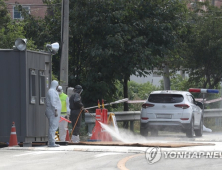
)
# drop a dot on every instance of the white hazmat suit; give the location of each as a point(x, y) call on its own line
point(53, 111)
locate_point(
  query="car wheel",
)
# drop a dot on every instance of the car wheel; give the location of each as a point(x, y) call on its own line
point(199, 132)
point(144, 131)
point(190, 130)
point(154, 132)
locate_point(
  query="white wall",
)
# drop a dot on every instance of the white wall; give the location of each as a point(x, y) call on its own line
point(153, 78)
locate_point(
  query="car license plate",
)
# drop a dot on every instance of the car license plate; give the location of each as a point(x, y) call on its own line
point(164, 116)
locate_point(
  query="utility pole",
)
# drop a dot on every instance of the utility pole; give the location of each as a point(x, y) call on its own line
point(126, 106)
point(182, 73)
point(166, 76)
point(64, 61)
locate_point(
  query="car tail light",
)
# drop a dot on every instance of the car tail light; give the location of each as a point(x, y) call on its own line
point(145, 105)
point(184, 118)
point(183, 106)
point(144, 118)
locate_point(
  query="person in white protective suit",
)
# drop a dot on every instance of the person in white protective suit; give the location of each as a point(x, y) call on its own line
point(65, 112)
point(53, 111)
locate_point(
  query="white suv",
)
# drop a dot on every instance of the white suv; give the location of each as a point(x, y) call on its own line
point(171, 110)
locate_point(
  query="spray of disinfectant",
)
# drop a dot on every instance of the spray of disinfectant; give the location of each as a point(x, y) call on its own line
point(123, 135)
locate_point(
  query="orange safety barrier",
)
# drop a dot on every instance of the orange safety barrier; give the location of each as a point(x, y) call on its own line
point(62, 118)
point(105, 136)
point(99, 133)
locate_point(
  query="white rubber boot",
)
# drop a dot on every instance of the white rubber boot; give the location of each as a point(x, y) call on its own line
point(206, 129)
point(75, 139)
point(52, 144)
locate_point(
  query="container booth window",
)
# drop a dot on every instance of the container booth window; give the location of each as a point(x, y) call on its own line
point(32, 85)
point(42, 85)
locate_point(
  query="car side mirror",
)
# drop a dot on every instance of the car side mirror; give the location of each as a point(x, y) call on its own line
point(199, 104)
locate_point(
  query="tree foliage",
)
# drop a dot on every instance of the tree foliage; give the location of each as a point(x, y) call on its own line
point(4, 15)
point(10, 30)
point(45, 30)
point(111, 40)
point(203, 54)
point(136, 92)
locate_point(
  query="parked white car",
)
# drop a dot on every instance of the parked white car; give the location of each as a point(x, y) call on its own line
point(171, 110)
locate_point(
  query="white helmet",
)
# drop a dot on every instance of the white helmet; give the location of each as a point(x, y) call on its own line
point(59, 89)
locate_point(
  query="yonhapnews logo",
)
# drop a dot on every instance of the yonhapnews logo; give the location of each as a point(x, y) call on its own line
point(154, 154)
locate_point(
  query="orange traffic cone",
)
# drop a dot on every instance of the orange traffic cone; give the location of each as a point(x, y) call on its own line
point(99, 133)
point(13, 137)
point(67, 135)
point(97, 128)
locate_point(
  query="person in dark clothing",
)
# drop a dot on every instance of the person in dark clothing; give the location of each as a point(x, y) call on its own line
point(76, 106)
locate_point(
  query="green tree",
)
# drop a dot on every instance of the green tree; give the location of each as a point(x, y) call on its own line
point(111, 40)
point(4, 15)
point(10, 33)
point(136, 91)
point(180, 83)
point(45, 30)
point(10, 30)
point(203, 54)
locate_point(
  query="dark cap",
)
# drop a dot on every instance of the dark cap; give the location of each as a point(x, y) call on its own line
point(78, 89)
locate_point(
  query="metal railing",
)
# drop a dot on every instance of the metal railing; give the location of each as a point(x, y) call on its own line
point(135, 116)
point(213, 113)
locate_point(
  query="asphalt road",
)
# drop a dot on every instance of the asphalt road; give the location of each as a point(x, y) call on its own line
point(174, 136)
point(80, 157)
point(69, 160)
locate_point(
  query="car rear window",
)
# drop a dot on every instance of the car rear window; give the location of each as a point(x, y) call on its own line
point(165, 98)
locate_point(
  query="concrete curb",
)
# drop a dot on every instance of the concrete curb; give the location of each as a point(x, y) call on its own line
point(121, 149)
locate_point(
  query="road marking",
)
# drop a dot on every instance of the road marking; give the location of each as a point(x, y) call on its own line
point(105, 154)
point(122, 163)
point(36, 153)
